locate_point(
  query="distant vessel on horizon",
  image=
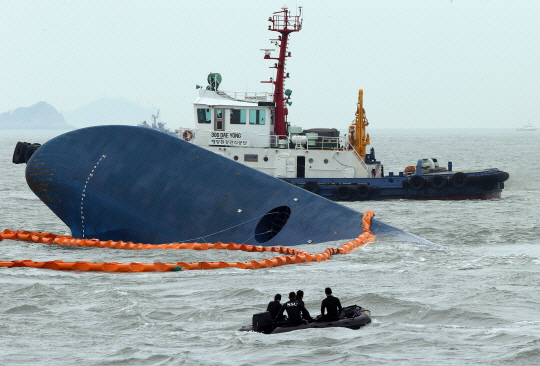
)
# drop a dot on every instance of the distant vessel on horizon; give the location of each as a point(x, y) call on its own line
point(159, 126)
point(527, 127)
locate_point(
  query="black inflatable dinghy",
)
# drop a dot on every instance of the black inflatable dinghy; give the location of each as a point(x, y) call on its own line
point(353, 317)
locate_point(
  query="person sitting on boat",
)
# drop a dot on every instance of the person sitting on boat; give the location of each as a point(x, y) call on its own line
point(274, 307)
point(294, 309)
point(299, 298)
point(332, 306)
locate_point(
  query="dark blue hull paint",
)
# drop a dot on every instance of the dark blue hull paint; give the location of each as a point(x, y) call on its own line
point(487, 185)
point(136, 184)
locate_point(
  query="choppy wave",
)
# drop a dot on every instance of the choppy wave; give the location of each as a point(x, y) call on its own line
point(473, 302)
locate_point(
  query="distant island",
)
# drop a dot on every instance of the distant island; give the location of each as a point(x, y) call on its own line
point(40, 116)
point(105, 111)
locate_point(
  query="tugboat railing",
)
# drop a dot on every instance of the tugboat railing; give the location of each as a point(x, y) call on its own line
point(341, 143)
point(362, 163)
point(275, 141)
point(247, 96)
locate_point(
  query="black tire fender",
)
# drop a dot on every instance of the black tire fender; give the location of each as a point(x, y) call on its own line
point(459, 180)
point(502, 176)
point(474, 180)
point(18, 154)
point(489, 178)
point(30, 150)
point(312, 186)
point(438, 181)
point(363, 191)
point(343, 192)
point(417, 182)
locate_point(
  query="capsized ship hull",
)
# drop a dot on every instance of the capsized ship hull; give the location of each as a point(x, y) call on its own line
point(140, 185)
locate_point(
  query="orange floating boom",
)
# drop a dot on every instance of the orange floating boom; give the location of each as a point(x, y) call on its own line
point(293, 255)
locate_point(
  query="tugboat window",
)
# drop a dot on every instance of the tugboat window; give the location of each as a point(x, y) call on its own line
point(257, 117)
point(238, 116)
point(204, 115)
point(219, 120)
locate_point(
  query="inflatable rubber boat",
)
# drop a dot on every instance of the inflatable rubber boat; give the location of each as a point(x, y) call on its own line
point(353, 317)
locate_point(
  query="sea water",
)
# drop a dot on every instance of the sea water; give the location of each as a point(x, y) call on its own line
point(475, 302)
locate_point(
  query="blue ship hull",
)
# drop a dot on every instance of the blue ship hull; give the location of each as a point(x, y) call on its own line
point(486, 184)
point(140, 185)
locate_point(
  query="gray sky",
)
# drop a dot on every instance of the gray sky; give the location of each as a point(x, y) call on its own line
point(421, 64)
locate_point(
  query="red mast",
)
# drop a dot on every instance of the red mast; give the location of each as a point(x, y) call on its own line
point(284, 23)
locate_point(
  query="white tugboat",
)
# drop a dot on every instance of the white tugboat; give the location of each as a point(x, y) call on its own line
point(252, 129)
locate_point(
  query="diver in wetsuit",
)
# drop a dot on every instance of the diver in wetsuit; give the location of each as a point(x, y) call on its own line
point(332, 306)
point(294, 312)
point(274, 307)
point(300, 299)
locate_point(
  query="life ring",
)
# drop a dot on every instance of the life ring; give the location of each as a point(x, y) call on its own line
point(312, 186)
point(459, 180)
point(410, 168)
point(417, 182)
point(343, 192)
point(438, 181)
point(187, 135)
point(363, 191)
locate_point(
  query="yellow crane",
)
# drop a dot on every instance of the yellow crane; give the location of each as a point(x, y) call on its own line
point(358, 137)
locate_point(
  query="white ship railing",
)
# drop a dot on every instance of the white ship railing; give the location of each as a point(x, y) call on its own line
point(341, 143)
point(351, 147)
point(247, 96)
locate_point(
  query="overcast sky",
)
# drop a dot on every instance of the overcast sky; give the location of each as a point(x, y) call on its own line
point(440, 64)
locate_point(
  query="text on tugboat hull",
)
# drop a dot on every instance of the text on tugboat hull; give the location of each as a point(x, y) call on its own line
point(227, 139)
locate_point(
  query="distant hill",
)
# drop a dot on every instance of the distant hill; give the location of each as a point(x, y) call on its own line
point(40, 116)
point(109, 111)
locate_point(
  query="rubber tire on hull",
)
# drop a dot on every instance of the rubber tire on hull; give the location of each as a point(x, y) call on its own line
point(502, 176)
point(417, 182)
point(488, 182)
point(438, 182)
point(474, 180)
point(363, 191)
point(18, 154)
point(30, 150)
point(312, 186)
point(459, 180)
point(488, 179)
point(343, 192)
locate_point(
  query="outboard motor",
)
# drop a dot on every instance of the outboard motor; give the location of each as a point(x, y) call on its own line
point(262, 322)
point(352, 311)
